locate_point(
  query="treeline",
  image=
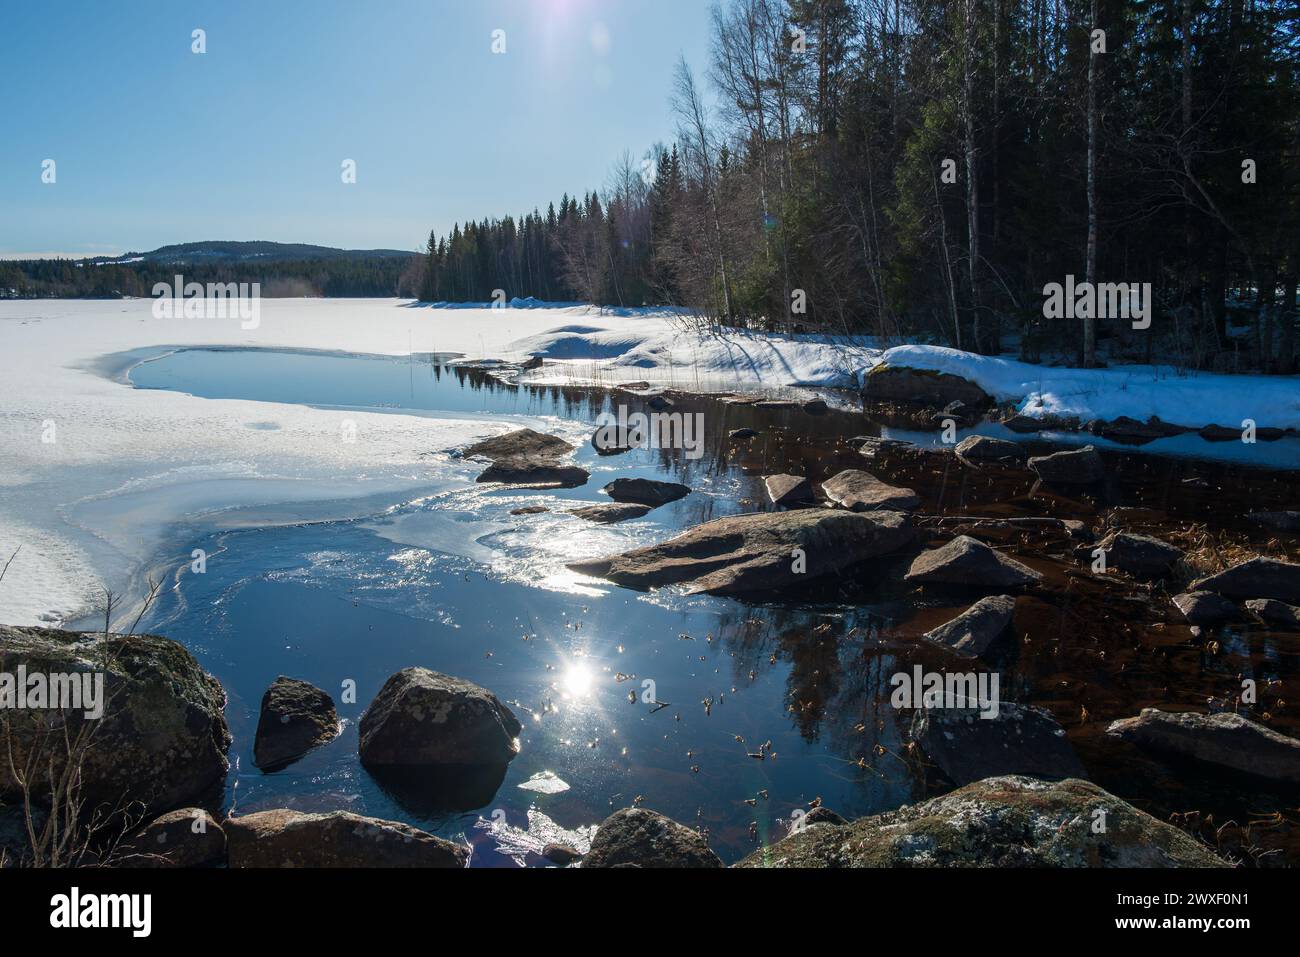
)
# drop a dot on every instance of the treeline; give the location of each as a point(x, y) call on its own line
point(359, 277)
point(924, 168)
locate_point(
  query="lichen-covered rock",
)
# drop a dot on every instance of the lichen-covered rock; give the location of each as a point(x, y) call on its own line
point(163, 737)
point(1011, 821)
point(749, 553)
point(647, 839)
point(285, 838)
point(860, 491)
point(296, 716)
point(421, 718)
point(521, 444)
point(188, 837)
point(1074, 467)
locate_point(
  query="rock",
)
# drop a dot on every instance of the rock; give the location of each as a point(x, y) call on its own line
point(1206, 608)
point(646, 839)
point(983, 448)
point(1275, 612)
point(1025, 424)
point(967, 747)
point(922, 387)
point(286, 838)
point(735, 435)
point(872, 448)
point(823, 815)
point(188, 837)
point(606, 443)
point(560, 854)
point(532, 362)
point(296, 717)
point(1217, 433)
point(743, 554)
point(966, 561)
point(421, 718)
point(974, 630)
point(538, 474)
point(162, 739)
point(1076, 467)
point(612, 513)
point(646, 491)
point(776, 405)
point(523, 444)
point(788, 490)
point(1133, 432)
point(1142, 556)
point(530, 510)
point(1257, 578)
point(816, 407)
point(860, 491)
point(1282, 521)
point(1224, 740)
point(659, 402)
point(998, 822)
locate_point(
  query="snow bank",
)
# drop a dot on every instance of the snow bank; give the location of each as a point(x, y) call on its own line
point(1192, 399)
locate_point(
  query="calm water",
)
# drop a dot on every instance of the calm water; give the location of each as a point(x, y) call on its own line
point(455, 583)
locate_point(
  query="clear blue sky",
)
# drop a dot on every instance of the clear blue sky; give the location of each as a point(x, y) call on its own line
point(157, 145)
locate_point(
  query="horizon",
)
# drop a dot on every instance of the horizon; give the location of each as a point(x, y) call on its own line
point(342, 92)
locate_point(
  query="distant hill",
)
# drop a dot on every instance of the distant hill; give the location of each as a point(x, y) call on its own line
point(231, 251)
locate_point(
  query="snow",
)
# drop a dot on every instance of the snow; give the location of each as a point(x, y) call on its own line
point(128, 471)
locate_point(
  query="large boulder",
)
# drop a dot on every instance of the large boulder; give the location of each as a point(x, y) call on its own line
point(162, 739)
point(1206, 608)
point(969, 562)
point(421, 718)
point(646, 491)
point(965, 746)
point(860, 491)
point(537, 474)
point(744, 554)
point(1277, 613)
point(1142, 556)
point(1226, 741)
point(889, 383)
point(285, 838)
point(188, 837)
point(610, 513)
point(998, 822)
point(1075, 467)
point(1257, 578)
point(984, 448)
point(788, 490)
point(974, 630)
point(646, 839)
point(296, 717)
point(522, 444)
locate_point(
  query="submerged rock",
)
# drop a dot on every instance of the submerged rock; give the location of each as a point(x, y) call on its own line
point(1277, 613)
point(188, 837)
point(1008, 821)
point(296, 717)
point(421, 718)
point(1075, 467)
point(611, 513)
point(736, 435)
point(646, 491)
point(1142, 556)
point(1257, 578)
point(286, 838)
point(968, 561)
point(860, 491)
point(1224, 740)
point(748, 553)
point(646, 839)
point(788, 490)
point(162, 739)
point(561, 854)
point(965, 746)
point(983, 448)
point(1206, 608)
point(974, 630)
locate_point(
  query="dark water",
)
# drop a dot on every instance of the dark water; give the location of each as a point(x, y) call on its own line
point(457, 584)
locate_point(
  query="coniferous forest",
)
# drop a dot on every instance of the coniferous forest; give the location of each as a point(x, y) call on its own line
point(919, 168)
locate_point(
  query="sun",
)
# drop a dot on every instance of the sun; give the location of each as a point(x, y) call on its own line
point(577, 680)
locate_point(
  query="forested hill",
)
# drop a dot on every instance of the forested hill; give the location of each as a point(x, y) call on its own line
point(926, 168)
point(283, 269)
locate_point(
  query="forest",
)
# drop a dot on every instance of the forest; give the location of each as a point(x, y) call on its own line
point(922, 169)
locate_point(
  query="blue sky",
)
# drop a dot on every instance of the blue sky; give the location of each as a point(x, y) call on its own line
point(155, 144)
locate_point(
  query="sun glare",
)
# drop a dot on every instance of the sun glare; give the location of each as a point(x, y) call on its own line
point(578, 680)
